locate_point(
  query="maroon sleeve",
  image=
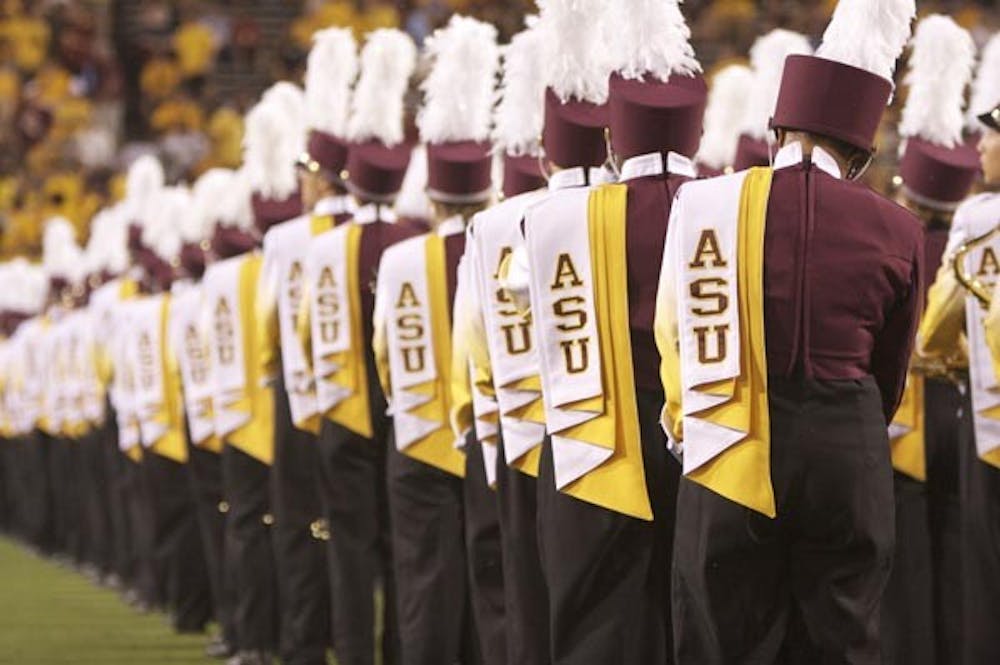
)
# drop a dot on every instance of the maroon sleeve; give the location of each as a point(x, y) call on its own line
point(894, 343)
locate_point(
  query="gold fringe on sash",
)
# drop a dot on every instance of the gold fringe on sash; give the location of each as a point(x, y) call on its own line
point(172, 444)
point(256, 438)
point(907, 450)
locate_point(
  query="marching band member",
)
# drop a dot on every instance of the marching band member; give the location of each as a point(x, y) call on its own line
point(606, 479)
point(299, 528)
point(188, 340)
point(512, 355)
point(412, 342)
point(788, 302)
point(971, 261)
point(177, 549)
point(937, 170)
point(243, 344)
point(339, 272)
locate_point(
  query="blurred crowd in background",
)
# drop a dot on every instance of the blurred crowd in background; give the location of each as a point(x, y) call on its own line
point(86, 85)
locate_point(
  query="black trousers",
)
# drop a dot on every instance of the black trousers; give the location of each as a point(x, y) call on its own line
point(352, 482)
point(980, 507)
point(428, 545)
point(804, 588)
point(177, 544)
point(205, 477)
point(608, 574)
point(117, 471)
point(146, 578)
point(98, 497)
point(249, 550)
point(484, 556)
point(907, 606)
point(299, 555)
point(947, 425)
point(526, 599)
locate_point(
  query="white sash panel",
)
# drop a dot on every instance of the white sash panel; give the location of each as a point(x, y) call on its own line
point(330, 312)
point(150, 398)
point(557, 242)
point(982, 261)
point(125, 385)
point(510, 333)
point(190, 346)
point(225, 334)
point(404, 308)
point(700, 259)
point(283, 275)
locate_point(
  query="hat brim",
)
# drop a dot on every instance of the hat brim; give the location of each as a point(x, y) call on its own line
point(991, 119)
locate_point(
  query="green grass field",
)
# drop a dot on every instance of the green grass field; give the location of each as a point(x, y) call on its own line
point(50, 615)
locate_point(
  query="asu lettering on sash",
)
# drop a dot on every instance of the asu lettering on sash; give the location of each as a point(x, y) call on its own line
point(571, 313)
point(224, 332)
point(411, 329)
point(327, 306)
point(709, 287)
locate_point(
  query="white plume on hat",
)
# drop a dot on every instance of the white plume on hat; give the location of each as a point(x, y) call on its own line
point(144, 178)
point(577, 59)
point(519, 115)
point(26, 286)
point(387, 63)
point(941, 65)
point(208, 198)
point(234, 207)
point(330, 70)
point(652, 39)
point(412, 200)
point(723, 114)
point(273, 139)
point(61, 256)
point(868, 34)
point(107, 247)
point(986, 89)
point(767, 60)
point(162, 234)
point(458, 92)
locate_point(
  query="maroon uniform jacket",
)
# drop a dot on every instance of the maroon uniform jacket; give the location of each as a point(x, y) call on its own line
point(843, 271)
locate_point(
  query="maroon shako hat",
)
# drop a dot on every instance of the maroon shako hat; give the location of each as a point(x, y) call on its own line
point(935, 176)
point(751, 152)
point(574, 132)
point(379, 155)
point(937, 168)
point(375, 171)
point(456, 116)
point(460, 172)
point(521, 174)
point(656, 116)
point(843, 90)
point(326, 154)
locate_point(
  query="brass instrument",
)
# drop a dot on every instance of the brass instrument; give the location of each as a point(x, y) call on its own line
point(975, 286)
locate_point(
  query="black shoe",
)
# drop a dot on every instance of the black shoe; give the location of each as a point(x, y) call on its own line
point(251, 658)
point(219, 648)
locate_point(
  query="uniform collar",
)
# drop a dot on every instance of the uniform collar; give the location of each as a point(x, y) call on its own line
point(578, 176)
point(374, 212)
point(653, 164)
point(451, 226)
point(791, 154)
point(334, 205)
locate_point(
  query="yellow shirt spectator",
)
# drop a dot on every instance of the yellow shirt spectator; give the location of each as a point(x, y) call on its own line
point(177, 114)
point(160, 77)
point(28, 38)
point(225, 130)
point(194, 43)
